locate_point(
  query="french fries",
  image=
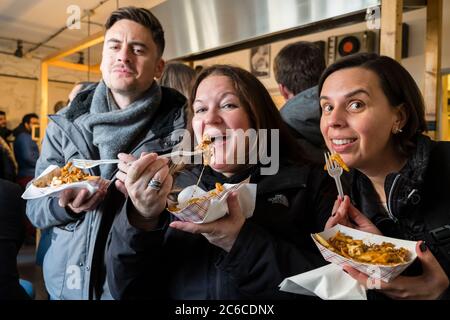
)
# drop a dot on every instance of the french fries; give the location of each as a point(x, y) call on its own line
point(65, 175)
point(212, 193)
point(206, 147)
point(379, 254)
point(336, 157)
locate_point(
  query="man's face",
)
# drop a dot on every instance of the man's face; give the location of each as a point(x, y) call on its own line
point(130, 59)
point(33, 122)
point(2, 121)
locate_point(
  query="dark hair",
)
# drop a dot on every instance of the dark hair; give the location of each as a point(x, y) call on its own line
point(59, 105)
point(399, 88)
point(143, 17)
point(26, 118)
point(2, 113)
point(298, 66)
point(257, 103)
point(178, 76)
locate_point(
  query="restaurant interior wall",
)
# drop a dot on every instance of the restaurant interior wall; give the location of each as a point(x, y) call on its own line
point(414, 63)
point(19, 89)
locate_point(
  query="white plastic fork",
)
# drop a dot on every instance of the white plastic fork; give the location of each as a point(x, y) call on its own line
point(335, 171)
point(87, 164)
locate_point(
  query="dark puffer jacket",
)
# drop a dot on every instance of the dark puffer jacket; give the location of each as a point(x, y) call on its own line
point(418, 201)
point(273, 244)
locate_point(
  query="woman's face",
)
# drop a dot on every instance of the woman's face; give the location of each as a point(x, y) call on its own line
point(217, 112)
point(357, 120)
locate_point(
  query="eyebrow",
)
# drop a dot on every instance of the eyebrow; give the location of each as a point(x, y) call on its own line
point(133, 42)
point(223, 95)
point(350, 94)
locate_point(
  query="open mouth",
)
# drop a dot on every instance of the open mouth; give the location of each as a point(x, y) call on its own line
point(219, 139)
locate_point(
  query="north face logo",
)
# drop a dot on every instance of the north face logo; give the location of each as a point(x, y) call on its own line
point(279, 198)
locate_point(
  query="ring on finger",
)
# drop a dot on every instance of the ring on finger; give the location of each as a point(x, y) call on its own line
point(155, 184)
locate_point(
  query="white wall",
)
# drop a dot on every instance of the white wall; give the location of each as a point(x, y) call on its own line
point(21, 96)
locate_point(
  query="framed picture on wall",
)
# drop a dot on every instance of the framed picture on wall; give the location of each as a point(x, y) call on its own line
point(260, 61)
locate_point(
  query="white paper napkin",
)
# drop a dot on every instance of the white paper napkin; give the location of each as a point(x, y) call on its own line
point(328, 282)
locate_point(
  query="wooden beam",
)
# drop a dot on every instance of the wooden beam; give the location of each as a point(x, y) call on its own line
point(444, 133)
point(79, 46)
point(44, 100)
point(433, 45)
point(75, 66)
point(391, 28)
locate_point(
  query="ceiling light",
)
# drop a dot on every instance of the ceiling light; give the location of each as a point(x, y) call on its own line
point(19, 51)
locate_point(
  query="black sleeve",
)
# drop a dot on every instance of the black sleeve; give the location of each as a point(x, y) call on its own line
point(134, 259)
point(12, 233)
point(259, 262)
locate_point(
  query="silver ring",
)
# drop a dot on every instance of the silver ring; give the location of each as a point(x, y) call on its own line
point(155, 184)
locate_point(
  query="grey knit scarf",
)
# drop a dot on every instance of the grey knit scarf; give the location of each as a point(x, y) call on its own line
point(115, 130)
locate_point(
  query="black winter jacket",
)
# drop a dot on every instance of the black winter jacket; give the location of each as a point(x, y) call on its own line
point(418, 202)
point(273, 244)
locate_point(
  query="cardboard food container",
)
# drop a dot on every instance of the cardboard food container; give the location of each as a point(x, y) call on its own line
point(375, 271)
point(212, 205)
point(38, 187)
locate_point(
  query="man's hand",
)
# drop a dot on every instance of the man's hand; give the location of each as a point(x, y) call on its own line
point(79, 200)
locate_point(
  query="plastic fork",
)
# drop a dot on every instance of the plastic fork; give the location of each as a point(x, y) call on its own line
point(335, 171)
point(87, 164)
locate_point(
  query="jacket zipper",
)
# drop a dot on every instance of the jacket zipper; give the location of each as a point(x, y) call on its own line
point(390, 198)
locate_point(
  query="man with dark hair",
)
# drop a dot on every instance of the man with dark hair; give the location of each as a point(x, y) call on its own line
point(4, 131)
point(126, 112)
point(26, 150)
point(297, 69)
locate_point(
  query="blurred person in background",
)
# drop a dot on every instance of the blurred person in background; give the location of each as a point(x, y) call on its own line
point(178, 76)
point(4, 131)
point(26, 150)
point(297, 69)
point(12, 234)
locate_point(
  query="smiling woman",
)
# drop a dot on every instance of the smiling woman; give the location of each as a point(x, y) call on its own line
point(373, 115)
point(232, 257)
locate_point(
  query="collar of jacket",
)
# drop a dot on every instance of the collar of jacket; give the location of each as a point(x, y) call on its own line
point(402, 188)
point(302, 114)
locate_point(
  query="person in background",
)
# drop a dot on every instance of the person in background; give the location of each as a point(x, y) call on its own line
point(59, 105)
point(12, 234)
point(127, 111)
point(178, 76)
point(233, 257)
point(79, 86)
point(8, 164)
point(4, 131)
point(373, 115)
point(26, 150)
point(297, 69)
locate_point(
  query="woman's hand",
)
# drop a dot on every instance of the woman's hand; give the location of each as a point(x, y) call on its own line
point(346, 214)
point(429, 285)
point(221, 233)
point(135, 177)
